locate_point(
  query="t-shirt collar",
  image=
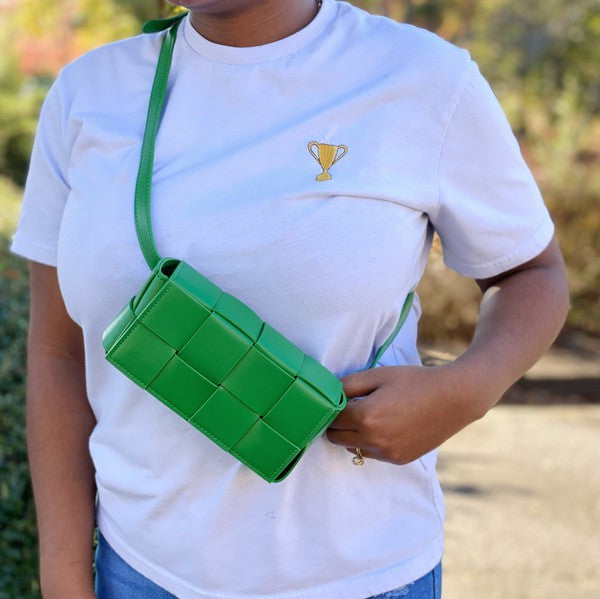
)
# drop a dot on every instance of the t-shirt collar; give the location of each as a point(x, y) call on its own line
point(266, 52)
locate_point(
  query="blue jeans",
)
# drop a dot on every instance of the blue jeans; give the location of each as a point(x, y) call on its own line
point(116, 579)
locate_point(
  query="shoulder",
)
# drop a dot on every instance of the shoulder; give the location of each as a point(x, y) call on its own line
point(100, 73)
point(404, 48)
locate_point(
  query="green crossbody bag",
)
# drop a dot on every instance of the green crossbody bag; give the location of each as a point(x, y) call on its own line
point(206, 355)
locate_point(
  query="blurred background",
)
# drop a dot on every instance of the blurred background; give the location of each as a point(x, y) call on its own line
point(522, 485)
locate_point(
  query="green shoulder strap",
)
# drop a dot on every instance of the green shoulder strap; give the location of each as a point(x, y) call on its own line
point(144, 179)
point(143, 185)
point(403, 315)
point(157, 25)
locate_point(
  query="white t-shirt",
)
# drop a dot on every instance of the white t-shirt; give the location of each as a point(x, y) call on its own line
point(328, 263)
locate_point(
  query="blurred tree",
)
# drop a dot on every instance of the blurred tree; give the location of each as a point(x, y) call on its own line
point(54, 33)
point(548, 45)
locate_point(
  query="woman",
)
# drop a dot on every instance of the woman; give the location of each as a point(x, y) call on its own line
point(241, 192)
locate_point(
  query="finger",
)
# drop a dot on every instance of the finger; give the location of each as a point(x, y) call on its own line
point(344, 438)
point(361, 383)
point(349, 417)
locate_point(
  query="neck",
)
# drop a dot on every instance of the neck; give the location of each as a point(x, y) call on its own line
point(252, 23)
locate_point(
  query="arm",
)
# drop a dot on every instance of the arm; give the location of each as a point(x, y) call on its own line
point(521, 313)
point(410, 410)
point(59, 422)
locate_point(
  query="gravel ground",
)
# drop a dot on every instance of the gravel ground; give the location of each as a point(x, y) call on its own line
point(522, 490)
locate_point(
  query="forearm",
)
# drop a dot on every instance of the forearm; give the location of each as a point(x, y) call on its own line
point(59, 422)
point(520, 316)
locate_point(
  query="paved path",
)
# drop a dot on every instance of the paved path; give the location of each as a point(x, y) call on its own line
point(522, 489)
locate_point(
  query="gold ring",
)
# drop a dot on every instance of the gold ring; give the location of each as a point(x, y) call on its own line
point(358, 459)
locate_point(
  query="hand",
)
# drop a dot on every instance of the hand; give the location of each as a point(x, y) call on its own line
point(404, 411)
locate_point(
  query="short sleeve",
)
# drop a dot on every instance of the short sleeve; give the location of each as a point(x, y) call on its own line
point(46, 187)
point(490, 215)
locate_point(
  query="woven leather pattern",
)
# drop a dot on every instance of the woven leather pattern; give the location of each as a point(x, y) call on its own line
point(210, 358)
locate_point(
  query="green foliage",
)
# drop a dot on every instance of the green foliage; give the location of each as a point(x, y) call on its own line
point(20, 102)
point(548, 46)
point(18, 120)
point(18, 540)
point(82, 24)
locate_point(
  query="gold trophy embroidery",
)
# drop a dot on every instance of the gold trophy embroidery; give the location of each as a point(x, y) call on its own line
point(326, 155)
